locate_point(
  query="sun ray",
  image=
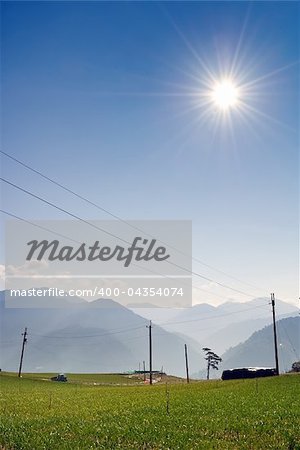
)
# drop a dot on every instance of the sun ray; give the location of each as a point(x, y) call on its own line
point(240, 41)
point(186, 42)
point(256, 111)
point(270, 74)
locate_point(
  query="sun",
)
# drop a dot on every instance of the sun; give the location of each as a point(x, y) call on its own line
point(225, 94)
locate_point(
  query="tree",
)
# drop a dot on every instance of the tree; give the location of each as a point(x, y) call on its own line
point(212, 359)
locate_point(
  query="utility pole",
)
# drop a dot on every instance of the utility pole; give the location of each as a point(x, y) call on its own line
point(186, 364)
point(150, 350)
point(144, 367)
point(22, 352)
point(275, 333)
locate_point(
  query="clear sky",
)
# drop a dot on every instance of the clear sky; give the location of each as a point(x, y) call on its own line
point(110, 100)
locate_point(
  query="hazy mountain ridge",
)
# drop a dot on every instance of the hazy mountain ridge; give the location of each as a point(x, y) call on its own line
point(225, 325)
point(105, 336)
point(258, 349)
point(237, 333)
point(100, 336)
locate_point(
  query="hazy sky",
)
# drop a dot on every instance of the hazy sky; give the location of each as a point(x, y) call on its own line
point(109, 99)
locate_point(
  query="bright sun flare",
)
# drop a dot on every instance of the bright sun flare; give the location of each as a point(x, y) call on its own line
point(225, 95)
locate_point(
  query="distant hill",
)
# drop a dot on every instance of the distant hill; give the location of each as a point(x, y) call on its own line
point(237, 333)
point(98, 336)
point(258, 350)
point(221, 326)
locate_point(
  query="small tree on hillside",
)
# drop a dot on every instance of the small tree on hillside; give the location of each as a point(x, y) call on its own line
point(212, 359)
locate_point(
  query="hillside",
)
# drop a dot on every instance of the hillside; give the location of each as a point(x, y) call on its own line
point(222, 326)
point(98, 336)
point(258, 350)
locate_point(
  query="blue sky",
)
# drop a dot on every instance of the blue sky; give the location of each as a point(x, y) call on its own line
point(103, 97)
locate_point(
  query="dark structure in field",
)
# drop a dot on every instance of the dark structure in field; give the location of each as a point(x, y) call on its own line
point(248, 372)
point(60, 377)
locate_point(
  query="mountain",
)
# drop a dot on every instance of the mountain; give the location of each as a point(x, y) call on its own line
point(258, 350)
point(237, 333)
point(225, 325)
point(97, 336)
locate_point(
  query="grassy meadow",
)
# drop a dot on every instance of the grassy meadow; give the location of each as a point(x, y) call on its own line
point(242, 414)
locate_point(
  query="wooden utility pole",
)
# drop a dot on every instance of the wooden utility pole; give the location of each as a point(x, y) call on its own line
point(186, 363)
point(275, 333)
point(144, 368)
point(22, 352)
point(150, 351)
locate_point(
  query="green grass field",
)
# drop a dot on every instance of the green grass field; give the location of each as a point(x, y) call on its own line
point(99, 378)
point(89, 378)
point(241, 414)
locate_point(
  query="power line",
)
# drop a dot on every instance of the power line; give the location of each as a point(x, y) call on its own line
point(89, 344)
point(115, 216)
point(163, 332)
point(66, 237)
point(62, 209)
point(61, 235)
point(289, 339)
point(166, 333)
point(213, 316)
point(87, 336)
point(8, 343)
point(38, 226)
point(82, 220)
point(117, 237)
point(124, 330)
point(167, 323)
